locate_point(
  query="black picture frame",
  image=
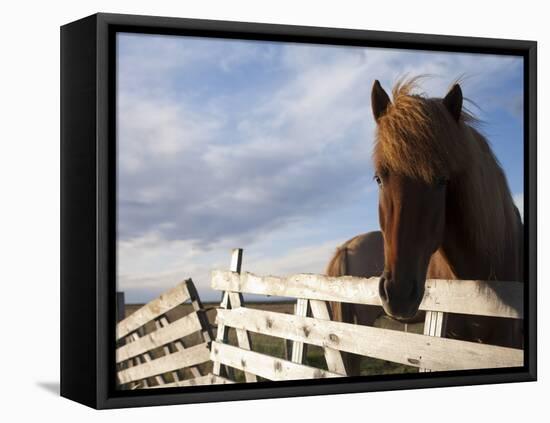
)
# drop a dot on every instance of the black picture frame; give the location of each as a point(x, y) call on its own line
point(88, 200)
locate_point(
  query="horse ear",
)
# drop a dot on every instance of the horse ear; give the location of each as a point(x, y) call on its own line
point(379, 100)
point(453, 101)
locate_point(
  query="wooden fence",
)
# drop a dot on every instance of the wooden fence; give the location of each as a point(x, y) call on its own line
point(156, 349)
point(428, 351)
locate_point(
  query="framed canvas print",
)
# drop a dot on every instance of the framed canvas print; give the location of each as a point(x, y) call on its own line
point(256, 211)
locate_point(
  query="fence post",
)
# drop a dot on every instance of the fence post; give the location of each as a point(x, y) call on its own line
point(120, 315)
point(234, 300)
point(434, 325)
point(298, 348)
point(335, 362)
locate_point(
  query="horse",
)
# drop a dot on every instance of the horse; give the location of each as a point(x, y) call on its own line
point(445, 210)
point(361, 256)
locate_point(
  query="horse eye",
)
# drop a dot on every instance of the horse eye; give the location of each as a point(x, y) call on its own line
point(378, 179)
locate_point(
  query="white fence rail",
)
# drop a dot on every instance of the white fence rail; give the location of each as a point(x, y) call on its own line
point(482, 298)
point(183, 363)
point(428, 351)
point(154, 350)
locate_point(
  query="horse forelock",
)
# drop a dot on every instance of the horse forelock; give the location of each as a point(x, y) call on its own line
point(418, 137)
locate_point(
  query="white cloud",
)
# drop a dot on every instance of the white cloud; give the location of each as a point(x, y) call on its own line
point(277, 164)
point(149, 266)
point(225, 144)
point(303, 259)
point(151, 128)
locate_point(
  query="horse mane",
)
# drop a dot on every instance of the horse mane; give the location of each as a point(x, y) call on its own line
point(419, 138)
point(414, 138)
point(337, 266)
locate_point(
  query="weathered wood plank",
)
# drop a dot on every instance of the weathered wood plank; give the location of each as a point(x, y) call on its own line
point(222, 334)
point(400, 347)
point(434, 325)
point(335, 362)
point(179, 345)
point(485, 298)
point(162, 336)
point(199, 309)
point(243, 338)
point(298, 347)
point(264, 365)
point(236, 260)
point(191, 356)
point(167, 301)
point(168, 348)
point(137, 360)
point(201, 380)
point(236, 300)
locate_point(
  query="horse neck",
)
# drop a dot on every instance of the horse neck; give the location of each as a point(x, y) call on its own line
point(482, 238)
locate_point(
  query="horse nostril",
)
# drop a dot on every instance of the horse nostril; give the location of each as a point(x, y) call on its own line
point(388, 289)
point(400, 298)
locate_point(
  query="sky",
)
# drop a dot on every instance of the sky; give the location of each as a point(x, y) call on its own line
point(267, 147)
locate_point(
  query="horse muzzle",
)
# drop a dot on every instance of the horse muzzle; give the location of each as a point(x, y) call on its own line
point(400, 299)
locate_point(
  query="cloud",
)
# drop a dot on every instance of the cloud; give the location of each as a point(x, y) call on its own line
point(243, 172)
point(229, 143)
point(514, 105)
point(304, 259)
point(141, 282)
point(153, 129)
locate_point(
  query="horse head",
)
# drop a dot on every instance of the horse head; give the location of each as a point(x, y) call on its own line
point(415, 161)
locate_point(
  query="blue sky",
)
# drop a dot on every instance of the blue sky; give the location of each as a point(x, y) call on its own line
point(266, 146)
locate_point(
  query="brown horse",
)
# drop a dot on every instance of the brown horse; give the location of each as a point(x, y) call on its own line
point(362, 256)
point(445, 208)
